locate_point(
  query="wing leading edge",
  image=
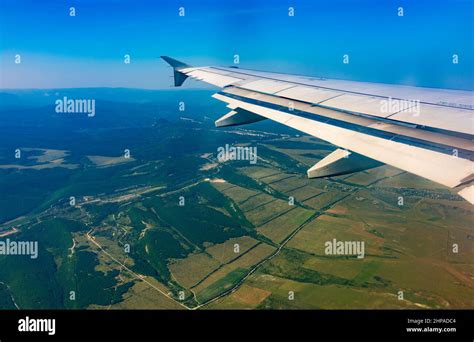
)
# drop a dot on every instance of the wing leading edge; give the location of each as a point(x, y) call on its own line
point(435, 141)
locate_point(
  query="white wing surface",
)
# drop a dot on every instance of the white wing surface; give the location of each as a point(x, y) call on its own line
point(428, 132)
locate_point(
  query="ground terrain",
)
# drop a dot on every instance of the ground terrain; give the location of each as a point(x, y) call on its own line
point(129, 241)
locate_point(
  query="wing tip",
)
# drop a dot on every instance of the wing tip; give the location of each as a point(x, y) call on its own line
point(177, 65)
point(179, 77)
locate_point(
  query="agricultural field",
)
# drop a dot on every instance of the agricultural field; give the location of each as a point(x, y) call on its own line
point(172, 227)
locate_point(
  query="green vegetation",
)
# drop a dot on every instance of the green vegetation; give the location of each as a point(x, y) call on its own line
point(221, 285)
point(128, 243)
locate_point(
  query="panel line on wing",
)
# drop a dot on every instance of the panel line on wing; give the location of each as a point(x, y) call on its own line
point(429, 145)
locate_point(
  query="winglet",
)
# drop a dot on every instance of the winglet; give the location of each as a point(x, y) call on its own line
point(179, 77)
point(175, 63)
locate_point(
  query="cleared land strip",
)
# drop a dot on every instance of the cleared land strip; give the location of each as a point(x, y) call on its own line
point(257, 194)
point(224, 264)
point(307, 199)
point(261, 205)
point(279, 180)
point(277, 216)
point(298, 187)
point(270, 175)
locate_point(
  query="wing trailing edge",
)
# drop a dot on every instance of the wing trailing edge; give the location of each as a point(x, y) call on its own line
point(468, 193)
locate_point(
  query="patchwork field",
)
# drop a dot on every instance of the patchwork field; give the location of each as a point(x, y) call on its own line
point(175, 228)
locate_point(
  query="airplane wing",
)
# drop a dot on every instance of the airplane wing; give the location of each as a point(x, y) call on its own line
point(427, 132)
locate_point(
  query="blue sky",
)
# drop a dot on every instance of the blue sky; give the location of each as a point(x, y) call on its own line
point(87, 50)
